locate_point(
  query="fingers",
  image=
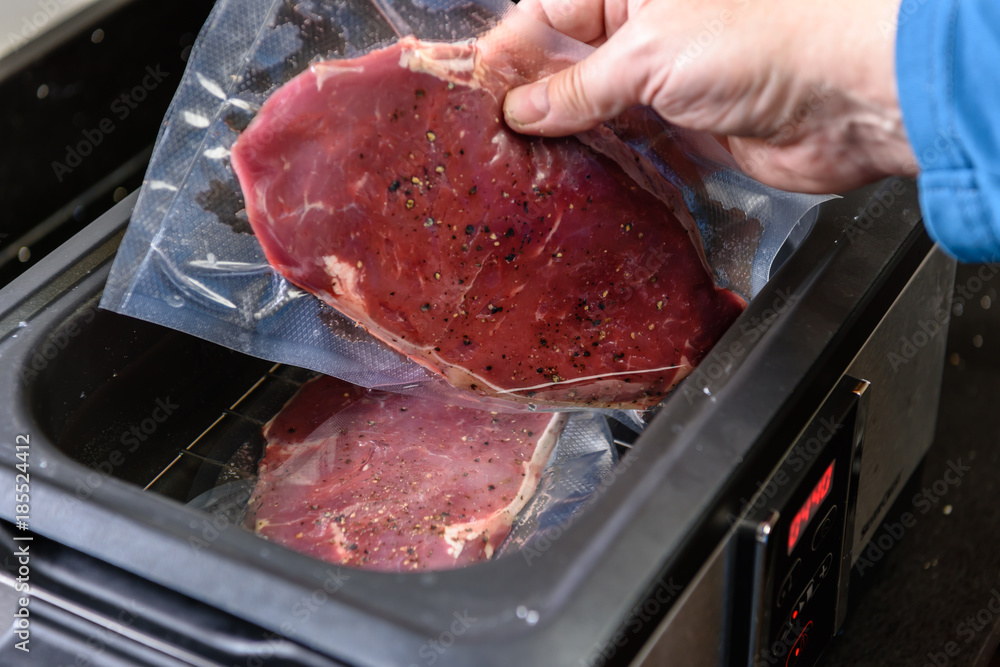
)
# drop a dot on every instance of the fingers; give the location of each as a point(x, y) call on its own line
point(804, 167)
point(763, 161)
point(583, 20)
point(597, 88)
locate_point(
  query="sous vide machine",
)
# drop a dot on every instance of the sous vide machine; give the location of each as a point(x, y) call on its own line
point(726, 536)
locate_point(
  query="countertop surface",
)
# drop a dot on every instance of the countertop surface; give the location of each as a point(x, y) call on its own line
point(927, 589)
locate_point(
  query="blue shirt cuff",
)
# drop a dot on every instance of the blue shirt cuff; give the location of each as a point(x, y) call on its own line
point(950, 99)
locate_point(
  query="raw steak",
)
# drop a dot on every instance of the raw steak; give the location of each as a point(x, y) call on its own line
point(535, 269)
point(394, 482)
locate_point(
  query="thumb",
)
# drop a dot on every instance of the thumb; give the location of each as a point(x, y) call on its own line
point(598, 88)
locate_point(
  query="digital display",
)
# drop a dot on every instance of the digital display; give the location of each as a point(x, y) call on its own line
point(808, 510)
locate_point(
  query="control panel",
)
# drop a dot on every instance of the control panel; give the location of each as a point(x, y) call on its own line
point(791, 555)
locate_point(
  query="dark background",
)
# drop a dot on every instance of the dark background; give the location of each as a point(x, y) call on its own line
point(946, 567)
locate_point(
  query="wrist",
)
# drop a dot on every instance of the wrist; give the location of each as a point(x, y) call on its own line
point(859, 63)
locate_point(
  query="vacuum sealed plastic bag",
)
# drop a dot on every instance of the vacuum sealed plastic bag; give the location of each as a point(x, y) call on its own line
point(390, 187)
point(391, 482)
point(582, 464)
point(379, 176)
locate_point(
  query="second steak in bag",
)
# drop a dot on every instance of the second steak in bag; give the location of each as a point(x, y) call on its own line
point(396, 483)
point(519, 267)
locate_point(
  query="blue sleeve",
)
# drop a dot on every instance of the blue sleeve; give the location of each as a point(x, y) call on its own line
point(948, 72)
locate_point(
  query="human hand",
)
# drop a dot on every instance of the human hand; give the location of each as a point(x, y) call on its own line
point(802, 91)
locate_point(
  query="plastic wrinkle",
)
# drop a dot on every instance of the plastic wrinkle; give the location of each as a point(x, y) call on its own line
point(191, 204)
point(587, 378)
point(580, 464)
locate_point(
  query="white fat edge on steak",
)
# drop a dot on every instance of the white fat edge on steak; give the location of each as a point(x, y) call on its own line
point(319, 434)
point(461, 63)
point(345, 279)
point(338, 539)
point(457, 536)
point(457, 62)
point(346, 298)
point(330, 68)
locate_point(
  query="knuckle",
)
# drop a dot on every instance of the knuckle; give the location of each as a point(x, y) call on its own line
point(572, 92)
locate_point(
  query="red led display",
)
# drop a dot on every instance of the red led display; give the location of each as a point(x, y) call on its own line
point(809, 508)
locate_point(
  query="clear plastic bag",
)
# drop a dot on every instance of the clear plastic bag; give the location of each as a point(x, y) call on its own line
point(312, 441)
point(189, 260)
point(582, 464)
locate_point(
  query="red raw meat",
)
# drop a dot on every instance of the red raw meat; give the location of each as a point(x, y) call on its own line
point(534, 269)
point(393, 482)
